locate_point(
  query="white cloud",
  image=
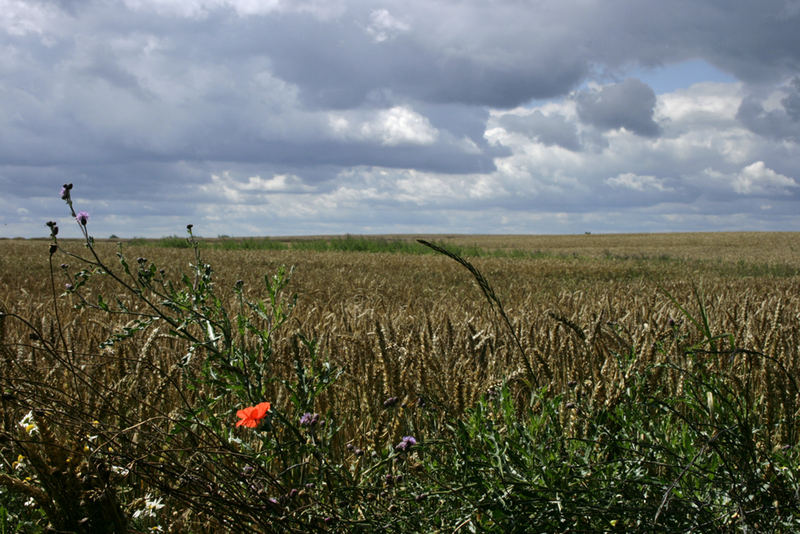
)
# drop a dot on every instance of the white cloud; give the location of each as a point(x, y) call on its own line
point(701, 103)
point(383, 26)
point(201, 9)
point(636, 182)
point(255, 188)
point(398, 125)
point(758, 179)
point(21, 17)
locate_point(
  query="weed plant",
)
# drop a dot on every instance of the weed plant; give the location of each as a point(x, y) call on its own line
point(153, 400)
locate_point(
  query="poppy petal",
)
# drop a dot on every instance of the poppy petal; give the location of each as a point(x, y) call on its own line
point(261, 410)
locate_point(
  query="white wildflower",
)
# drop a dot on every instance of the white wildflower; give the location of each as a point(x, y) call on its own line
point(121, 471)
point(29, 424)
point(151, 506)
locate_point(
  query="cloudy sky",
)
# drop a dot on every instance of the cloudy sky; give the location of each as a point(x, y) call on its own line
point(291, 117)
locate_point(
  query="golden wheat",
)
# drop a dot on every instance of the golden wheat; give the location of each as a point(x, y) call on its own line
point(416, 326)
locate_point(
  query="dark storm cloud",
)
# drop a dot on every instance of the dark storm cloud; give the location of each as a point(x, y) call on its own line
point(777, 123)
point(546, 129)
point(628, 105)
point(791, 103)
point(341, 66)
point(504, 54)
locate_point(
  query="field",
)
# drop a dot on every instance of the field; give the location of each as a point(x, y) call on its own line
point(546, 383)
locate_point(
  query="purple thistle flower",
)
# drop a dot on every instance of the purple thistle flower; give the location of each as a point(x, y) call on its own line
point(82, 217)
point(391, 401)
point(309, 419)
point(65, 189)
point(406, 443)
point(68, 287)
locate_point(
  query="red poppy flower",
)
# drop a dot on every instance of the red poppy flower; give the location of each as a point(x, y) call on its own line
point(252, 415)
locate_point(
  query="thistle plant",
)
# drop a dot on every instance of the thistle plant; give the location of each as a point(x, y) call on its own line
point(238, 474)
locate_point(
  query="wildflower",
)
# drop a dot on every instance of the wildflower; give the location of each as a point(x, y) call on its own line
point(82, 217)
point(19, 464)
point(252, 415)
point(391, 401)
point(151, 506)
point(309, 419)
point(65, 189)
point(121, 471)
point(68, 286)
point(406, 443)
point(29, 424)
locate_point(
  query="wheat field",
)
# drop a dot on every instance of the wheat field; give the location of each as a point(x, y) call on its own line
point(589, 312)
point(402, 325)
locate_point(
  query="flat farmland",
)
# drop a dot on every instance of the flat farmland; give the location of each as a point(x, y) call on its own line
point(431, 315)
point(578, 322)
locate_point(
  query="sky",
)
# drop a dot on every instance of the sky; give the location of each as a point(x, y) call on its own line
point(309, 117)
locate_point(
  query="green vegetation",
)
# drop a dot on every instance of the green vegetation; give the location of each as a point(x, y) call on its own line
point(642, 263)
